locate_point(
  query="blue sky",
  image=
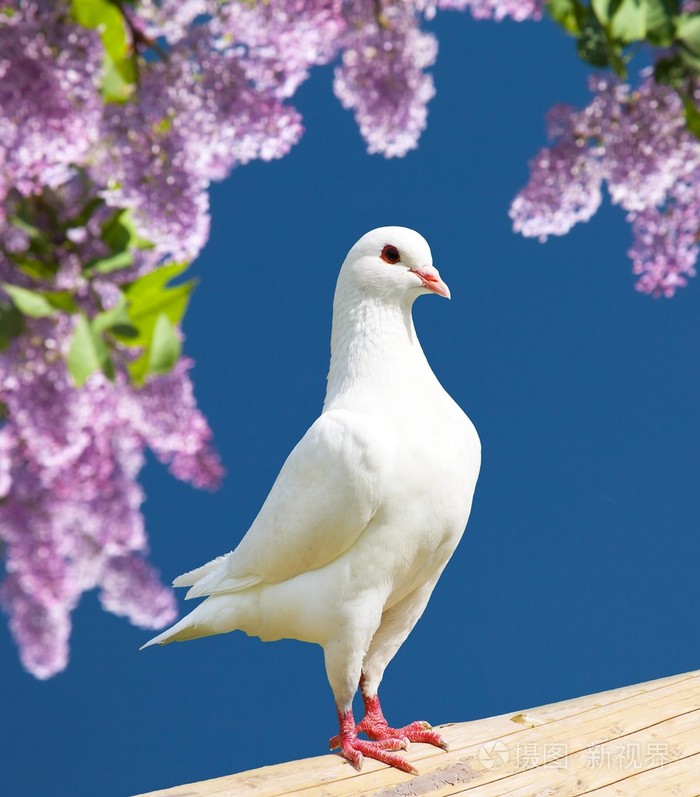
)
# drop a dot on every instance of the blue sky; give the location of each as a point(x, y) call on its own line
point(578, 571)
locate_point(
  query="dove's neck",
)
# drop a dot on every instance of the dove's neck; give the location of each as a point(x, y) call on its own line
point(375, 353)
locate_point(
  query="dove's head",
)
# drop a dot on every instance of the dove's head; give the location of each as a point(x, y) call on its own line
point(393, 263)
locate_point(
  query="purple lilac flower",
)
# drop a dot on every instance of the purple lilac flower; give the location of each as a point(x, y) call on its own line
point(639, 137)
point(382, 79)
point(565, 182)
point(282, 39)
point(146, 170)
point(665, 247)
point(129, 587)
point(166, 416)
point(49, 101)
point(171, 19)
point(195, 119)
point(71, 518)
point(41, 629)
point(636, 141)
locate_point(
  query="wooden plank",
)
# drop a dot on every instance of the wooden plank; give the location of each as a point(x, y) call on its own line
point(599, 765)
point(679, 778)
point(564, 749)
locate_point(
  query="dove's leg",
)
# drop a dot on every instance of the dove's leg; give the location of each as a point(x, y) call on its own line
point(397, 623)
point(343, 657)
point(378, 729)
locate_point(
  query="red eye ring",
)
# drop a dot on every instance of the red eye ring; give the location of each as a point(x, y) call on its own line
point(390, 254)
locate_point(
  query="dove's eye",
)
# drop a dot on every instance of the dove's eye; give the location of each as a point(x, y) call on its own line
point(390, 254)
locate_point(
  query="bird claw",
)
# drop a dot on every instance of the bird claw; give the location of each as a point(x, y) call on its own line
point(420, 732)
point(354, 751)
point(388, 743)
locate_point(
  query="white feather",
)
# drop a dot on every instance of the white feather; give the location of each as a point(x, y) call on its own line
point(192, 576)
point(306, 521)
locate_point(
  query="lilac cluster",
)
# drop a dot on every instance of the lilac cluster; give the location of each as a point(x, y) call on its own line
point(49, 101)
point(382, 78)
point(384, 56)
point(280, 41)
point(635, 140)
point(664, 250)
point(70, 519)
point(196, 116)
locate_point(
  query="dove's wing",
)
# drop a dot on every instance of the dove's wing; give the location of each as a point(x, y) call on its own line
point(322, 500)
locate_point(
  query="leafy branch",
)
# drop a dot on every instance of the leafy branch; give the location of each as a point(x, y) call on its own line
point(139, 330)
point(609, 32)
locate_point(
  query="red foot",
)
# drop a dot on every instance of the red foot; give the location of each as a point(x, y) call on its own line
point(354, 749)
point(377, 728)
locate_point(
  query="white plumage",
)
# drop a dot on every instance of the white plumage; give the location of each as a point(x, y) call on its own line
point(367, 509)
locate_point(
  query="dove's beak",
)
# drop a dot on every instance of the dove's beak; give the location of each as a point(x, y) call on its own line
point(430, 278)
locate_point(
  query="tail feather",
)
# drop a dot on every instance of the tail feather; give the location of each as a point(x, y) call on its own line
point(182, 631)
point(216, 583)
point(192, 576)
point(216, 615)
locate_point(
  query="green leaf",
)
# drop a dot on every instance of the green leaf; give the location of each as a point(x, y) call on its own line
point(88, 353)
point(11, 324)
point(114, 262)
point(592, 45)
point(28, 302)
point(155, 310)
point(148, 297)
point(570, 14)
point(629, 21)
point(119, 232)
point(670, 72)
point(688, 31)
point(86, 213)
point(596, 47)
point(115, 319)
point(155, 280)
point(165, 348)
point(32, 232)
point(119, 68)
point(661, 25)
point(118, 79)
point(40, 304)
point(32, 267)
point(138, 369)
point(126, 333)
point(692, 115)
point(62, 300)
point(690, 59)
point(601, 8)
point(171, 301)
point(91, 13)
point(107, 18)
point(160, 357)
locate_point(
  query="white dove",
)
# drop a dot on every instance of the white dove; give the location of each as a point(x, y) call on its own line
point(367, 509)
